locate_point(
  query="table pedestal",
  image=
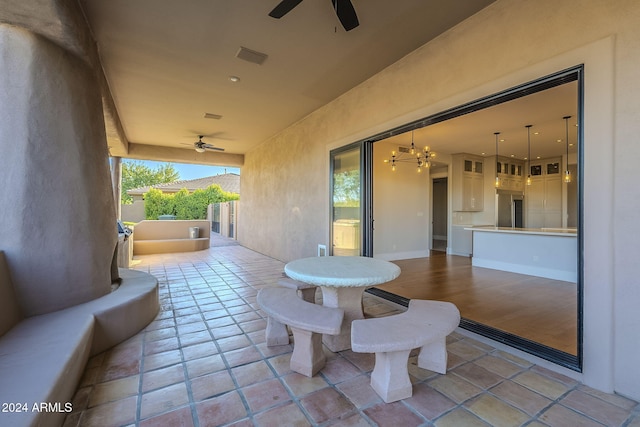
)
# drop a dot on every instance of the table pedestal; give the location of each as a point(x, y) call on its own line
point(350, 300)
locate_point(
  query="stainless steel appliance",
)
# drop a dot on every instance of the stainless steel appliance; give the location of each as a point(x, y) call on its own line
point(510, 209)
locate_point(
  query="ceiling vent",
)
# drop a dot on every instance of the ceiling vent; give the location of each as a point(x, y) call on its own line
point(251, 55)
point(402, 149)
point(212, 116)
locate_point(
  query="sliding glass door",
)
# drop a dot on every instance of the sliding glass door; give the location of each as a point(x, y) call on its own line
point(540, 140)
point(350, 209)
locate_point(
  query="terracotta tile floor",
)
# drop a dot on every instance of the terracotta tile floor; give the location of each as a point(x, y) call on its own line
point(203, 362)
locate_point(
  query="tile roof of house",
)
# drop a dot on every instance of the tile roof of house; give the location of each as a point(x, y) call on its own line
point(229, 182)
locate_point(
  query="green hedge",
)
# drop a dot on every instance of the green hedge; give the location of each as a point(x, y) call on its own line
point(184, 205)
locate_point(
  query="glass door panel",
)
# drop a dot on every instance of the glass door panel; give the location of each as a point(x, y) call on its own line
point(346, 201)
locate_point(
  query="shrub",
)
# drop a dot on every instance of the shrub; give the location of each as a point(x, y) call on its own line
point(183, 204)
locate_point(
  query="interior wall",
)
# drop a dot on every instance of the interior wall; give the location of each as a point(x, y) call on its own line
point(400, 207)
point(508, 43)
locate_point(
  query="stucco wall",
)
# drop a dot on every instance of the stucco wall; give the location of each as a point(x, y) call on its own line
point(285, 180)
point(58, 218)
point(285, 214)
point(133, 212)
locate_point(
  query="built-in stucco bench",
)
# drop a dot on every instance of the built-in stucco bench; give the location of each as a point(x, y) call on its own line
point(424, 325)
point(307, 321)
point(42, 358)
point(161, 237)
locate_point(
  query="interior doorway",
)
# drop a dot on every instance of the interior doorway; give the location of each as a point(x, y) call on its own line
point(439, 224)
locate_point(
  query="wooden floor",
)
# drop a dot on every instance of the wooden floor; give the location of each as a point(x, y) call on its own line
point(539, 309)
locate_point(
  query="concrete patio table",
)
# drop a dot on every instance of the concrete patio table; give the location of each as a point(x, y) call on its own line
point(342, 280)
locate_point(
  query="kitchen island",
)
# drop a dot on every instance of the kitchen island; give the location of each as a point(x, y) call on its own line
point(542, 252)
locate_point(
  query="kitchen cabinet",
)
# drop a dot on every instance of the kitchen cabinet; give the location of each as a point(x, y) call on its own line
point(511, 173)
point(544, 196)
point(468, 183)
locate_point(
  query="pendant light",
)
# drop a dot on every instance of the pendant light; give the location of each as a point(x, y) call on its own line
point(497, 177)
point(567, 173)
point(528, 154)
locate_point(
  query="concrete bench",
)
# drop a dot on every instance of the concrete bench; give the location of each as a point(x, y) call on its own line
point(277, 332)
point(307, 291)
point(424, 325)
point(307, 321)
point(42, 358)
point(160, 237)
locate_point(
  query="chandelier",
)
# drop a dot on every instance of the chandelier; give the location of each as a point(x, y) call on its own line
point(410, 155)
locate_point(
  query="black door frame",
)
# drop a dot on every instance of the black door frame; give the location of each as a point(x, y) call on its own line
point(573, 362)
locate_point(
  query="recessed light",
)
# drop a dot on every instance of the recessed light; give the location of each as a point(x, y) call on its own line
point(234, 79)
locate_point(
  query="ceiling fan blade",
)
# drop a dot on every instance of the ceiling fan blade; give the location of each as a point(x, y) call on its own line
point(283, 8)
point(346, 14)
point(211, 147)
point(218, 135)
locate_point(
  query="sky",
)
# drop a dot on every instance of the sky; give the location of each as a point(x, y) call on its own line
point(189, 171)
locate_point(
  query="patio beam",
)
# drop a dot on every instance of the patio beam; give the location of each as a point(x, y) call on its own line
point(183, 155)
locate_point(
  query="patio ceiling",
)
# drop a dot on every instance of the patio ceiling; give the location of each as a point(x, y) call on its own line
point(167, 63)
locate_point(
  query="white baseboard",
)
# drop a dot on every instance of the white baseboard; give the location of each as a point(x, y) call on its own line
point(395, 256)
point(567, 276)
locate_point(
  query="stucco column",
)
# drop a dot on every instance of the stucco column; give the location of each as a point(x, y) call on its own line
point(58, 220)
point(116, 183)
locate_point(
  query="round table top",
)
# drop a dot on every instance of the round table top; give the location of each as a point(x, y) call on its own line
point(348, 271)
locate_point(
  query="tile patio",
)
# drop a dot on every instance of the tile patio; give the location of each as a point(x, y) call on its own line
point(203, 362)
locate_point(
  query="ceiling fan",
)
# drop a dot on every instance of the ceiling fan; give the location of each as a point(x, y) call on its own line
point(201, 146)
point(344, 9)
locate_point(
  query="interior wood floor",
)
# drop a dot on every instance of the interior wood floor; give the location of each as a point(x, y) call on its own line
point(535, 308)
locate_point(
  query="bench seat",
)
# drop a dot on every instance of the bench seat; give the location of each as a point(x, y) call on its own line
point(43, 357)
point(424, 325)
point(277, 333)
point(161, 237)
point(307, 291)
point(165, 246)
point(307, 321)
point(42, 360)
